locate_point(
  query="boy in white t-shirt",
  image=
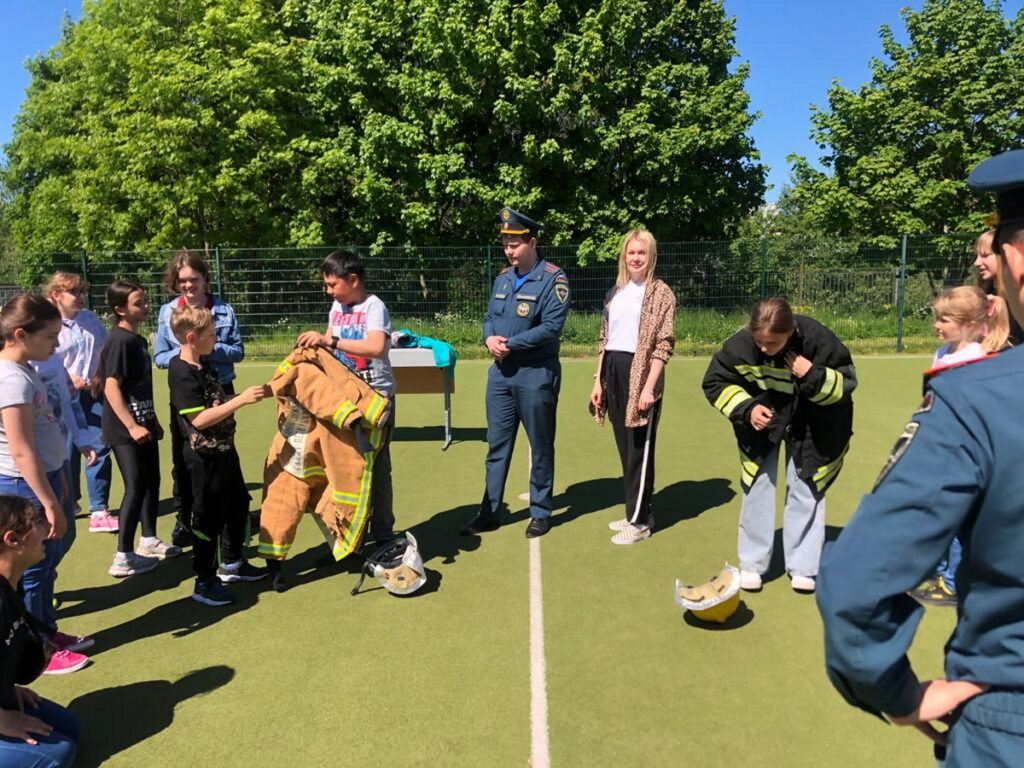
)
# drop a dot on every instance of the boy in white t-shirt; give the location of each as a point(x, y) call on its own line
point(359, 332)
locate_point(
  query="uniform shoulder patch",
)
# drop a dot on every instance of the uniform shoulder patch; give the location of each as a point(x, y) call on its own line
point(551, 268)
point(902, 444)
point(561, 278)
point(562, 292)
point(506, 269)
point(926, 403)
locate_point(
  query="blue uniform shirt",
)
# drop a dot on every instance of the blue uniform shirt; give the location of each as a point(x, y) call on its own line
point(956, 469)
point(532, 317)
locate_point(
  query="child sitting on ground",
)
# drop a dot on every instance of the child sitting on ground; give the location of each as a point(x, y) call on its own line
point(205, 416)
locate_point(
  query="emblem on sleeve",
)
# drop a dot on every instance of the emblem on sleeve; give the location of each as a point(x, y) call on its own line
point(523, 309)
point(926, 404)
point(562, 292)
point(902, 443)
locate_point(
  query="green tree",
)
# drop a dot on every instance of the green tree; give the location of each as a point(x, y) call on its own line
point(900, 147)
point(162, 123)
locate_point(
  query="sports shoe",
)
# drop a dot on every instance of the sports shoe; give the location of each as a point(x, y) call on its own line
point(63, 662)
point(130, 563)
point(243, 571)
point(631, 534)
point(618, 525)
point(181, 536)
point(750, 581)
point(935, 592)
point(153, 547)
point(802, 584)
point(102, 522)
point(212, 592)
point(71, 642)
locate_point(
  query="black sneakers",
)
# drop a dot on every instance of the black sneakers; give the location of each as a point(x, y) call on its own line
point(245, 571)
point(212, 592)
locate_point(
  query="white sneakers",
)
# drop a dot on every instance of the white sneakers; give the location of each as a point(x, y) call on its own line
point(630, 534)
point(750, 580)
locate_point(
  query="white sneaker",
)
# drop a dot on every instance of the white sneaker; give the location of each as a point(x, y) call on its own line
point(155, 548)
point(804, 584)
point(631, 534)
point(618, 525)
point(750, 581)
point(129, 564)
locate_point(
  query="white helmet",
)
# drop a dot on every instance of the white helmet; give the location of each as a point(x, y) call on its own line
point(398, 566)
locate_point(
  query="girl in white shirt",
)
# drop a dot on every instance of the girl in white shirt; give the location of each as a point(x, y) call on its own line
point(970, 324)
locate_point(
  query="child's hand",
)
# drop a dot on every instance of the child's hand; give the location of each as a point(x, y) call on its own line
point(90, 455)
point(761, 416)
point(312, 339)
point(58, 523)
point(253, 394)
point(139, 433)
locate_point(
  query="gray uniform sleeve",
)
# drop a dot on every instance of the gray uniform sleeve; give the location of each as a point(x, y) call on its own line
point(902, 529)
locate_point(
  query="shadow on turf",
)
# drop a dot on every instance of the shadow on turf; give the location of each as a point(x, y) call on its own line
point(689, 499)
point(152, 704)
point(436, 434)
point(777, 566)
point(168, 575)
point(741, 618)
point(184, 616)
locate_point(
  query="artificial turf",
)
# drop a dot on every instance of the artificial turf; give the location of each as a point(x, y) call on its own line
point(315, 676)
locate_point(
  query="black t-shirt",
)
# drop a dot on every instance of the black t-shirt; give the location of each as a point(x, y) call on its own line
point(22, 642)
point(126, 354)
point(193, 390)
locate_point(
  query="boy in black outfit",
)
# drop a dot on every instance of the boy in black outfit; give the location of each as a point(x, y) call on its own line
point(205, 416)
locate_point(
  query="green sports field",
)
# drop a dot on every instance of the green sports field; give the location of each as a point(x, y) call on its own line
point(317, 677)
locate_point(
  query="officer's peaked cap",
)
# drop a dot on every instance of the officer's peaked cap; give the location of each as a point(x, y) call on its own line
point(512, 222)
point(1002, 174)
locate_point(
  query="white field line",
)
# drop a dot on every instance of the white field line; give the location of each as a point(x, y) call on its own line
point(540, 756)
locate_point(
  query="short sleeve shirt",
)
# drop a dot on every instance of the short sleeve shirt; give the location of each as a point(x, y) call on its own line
point(20, 385)
point(126, 354)
point(194, 389)
point(353, 321)
point(624, 317)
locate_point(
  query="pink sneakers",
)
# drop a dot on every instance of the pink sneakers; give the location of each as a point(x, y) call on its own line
point(102, 522)
point(64, 662)
point(71, 642)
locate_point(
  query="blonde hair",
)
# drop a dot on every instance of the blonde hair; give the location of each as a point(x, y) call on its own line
point(650, 243)
point(187, 319)
point(64, 281)
point(969, 305)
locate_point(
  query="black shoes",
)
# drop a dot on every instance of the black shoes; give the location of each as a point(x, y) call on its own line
point(480, 524)
point(276, 575)
point(538, 527)
point(181, 536)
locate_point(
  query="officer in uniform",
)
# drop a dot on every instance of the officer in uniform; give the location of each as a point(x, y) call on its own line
point(956, 469)
point(522, 328)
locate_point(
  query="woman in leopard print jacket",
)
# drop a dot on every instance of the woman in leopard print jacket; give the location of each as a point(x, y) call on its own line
point(637, 339)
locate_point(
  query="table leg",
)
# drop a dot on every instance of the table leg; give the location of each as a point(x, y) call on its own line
point(447, 410)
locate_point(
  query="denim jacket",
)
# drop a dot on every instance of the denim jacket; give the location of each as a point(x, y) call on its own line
point(228, 350)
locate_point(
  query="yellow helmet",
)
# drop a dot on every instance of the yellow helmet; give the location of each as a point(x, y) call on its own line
point(715, 600)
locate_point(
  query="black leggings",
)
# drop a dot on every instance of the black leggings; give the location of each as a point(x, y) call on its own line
point(140, 470)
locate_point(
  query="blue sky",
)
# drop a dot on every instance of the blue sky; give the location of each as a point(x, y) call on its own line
point(795, 48)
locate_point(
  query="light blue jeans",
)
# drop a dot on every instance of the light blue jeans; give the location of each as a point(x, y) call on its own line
point(97, 477)
point(38, 581)
point(803, 521)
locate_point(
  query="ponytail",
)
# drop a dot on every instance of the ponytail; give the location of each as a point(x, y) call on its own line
point(28, 312)
point(998, 323)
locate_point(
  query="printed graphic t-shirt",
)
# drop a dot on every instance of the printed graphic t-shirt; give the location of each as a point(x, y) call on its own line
point(193, 390)
point(126, 354)
point(20, 385)
point(352, 321)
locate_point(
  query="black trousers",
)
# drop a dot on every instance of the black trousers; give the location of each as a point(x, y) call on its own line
point(182, 483)
point(382, 495)
point(140, 470)
point(220, 508)
point(630, 440)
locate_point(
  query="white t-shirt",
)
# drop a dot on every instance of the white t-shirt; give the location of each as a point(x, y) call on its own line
point(624, 317)
point(352, 321)
point(944, 357)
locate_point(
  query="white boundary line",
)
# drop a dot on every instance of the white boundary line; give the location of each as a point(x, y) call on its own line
point(540, 756)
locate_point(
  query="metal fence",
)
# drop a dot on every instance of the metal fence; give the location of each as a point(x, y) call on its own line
point(876, 298)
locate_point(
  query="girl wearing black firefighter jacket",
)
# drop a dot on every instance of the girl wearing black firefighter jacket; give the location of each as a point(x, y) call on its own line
point(784, 378)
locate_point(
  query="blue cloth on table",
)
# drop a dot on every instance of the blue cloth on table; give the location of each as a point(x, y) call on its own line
point(444, 353)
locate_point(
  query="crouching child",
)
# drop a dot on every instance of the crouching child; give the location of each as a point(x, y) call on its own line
point(205, 416)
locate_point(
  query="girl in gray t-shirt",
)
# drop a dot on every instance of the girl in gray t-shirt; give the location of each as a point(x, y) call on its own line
point(32, 453)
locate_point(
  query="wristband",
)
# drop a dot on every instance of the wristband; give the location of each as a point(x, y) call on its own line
point(334, 342)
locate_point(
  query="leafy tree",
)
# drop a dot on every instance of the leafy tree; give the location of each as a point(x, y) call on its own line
point(900, 147)
point(161, 123)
